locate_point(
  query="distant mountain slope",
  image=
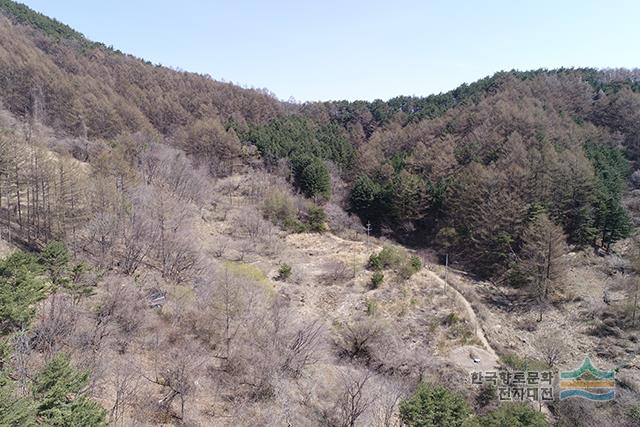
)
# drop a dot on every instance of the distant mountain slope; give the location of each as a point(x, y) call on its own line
point(465, 171)
point(74, 84)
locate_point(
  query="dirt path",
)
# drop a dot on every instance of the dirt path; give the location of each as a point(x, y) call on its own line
point(461, 355)
point(489, 359)
point(472, 358)
point(471, 314)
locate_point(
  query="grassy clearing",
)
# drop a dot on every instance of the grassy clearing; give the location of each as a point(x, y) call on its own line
point(249, 272)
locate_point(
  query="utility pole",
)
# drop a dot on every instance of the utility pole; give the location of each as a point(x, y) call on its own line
point(635, 304)
point(446, 271)
point(354, 264)
point(368, 228)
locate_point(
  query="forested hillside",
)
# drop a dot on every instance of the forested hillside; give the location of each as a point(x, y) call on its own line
point(466, 171)
point(419, 168)
point(148, 196)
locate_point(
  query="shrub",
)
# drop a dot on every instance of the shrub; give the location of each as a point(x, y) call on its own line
point(284, 272)
point(279, 208)
point(451, 319)
point(634, 413)
point(391, 257)
point(416, 263)
point(434, 405)
point(513, 415)
point(371, 307)
point(375, 263)
point(376, 279)
point(388, 257)
point(486, 396)
point(408, 269)
point(316, 218)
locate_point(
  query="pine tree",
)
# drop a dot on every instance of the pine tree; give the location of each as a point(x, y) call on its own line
point(364, 197)
point(434, 406)
point(611, 169)
point(407, 197)
point(514, 415)
point(315, 181)
point(14, 410)
point(55, 260)
point(21, 287)
point(616, 224)
point(59, 393)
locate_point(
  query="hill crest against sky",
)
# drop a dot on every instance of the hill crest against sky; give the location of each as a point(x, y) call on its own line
point(332, 50)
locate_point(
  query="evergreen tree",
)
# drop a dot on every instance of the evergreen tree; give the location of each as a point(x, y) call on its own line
point(513, 415)
point(611, 168)
point(434, 406)
point(615, 224)
point(21, 287)
point(407, 196)
point(55, 260)
point(364, 197)
point(315, 181)
point(316, 219)
point(15, 411)
point(59, 392)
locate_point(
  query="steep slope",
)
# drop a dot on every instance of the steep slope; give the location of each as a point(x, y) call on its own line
point(53, 73)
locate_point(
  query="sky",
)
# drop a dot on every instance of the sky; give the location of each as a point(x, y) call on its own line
point(330, 50)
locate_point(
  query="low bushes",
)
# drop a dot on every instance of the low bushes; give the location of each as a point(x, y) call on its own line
point(395, 259)
point(376, 279)
point(292, 215)
point(284, 272)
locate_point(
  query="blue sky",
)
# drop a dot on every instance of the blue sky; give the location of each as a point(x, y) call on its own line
point(321, 50)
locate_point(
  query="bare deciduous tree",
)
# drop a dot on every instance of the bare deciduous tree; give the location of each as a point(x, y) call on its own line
point(221, 244)
point(179, 369)
point(137, 240)
point(355, 340)
point(386, 406)
point(126, 382)
point(544, 245)
point(301, 349)
point(56, 324)
point(354, 398)
point(552, 349)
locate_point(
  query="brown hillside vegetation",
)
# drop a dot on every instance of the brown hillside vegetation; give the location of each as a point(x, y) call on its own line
point(190, 252)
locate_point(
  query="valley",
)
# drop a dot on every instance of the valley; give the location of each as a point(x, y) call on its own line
point(177, 250)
